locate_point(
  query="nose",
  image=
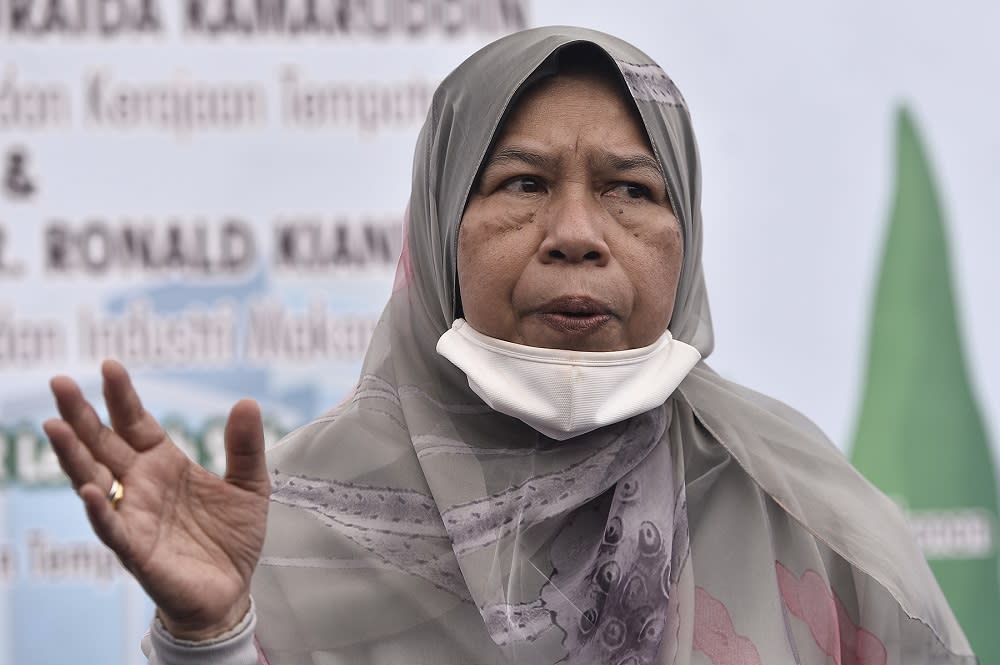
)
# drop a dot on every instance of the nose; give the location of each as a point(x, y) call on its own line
point(574, 230)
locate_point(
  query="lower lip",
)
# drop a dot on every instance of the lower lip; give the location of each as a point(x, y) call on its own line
point(575, 325)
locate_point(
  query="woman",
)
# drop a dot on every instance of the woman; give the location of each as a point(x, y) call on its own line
point(536, 466)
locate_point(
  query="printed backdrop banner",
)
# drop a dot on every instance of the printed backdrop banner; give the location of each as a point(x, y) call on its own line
point(212, 191)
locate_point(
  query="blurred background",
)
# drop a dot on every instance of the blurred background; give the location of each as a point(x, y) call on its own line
point(212, 191)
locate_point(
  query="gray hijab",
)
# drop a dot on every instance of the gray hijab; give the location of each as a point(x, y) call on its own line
point(414, 525)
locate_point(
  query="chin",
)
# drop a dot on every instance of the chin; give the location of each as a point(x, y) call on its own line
point(606, 338)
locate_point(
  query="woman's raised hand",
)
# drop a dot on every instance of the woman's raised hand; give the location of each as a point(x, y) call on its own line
point(190, 538)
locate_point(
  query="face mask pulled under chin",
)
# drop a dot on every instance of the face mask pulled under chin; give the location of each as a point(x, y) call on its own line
point(563, 393)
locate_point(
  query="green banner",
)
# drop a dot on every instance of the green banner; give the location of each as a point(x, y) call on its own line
point(921, 438)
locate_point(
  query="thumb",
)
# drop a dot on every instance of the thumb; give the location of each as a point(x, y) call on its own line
point(245, 463)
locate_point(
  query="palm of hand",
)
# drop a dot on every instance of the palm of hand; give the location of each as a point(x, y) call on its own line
point(190, 538)
point(193, 538)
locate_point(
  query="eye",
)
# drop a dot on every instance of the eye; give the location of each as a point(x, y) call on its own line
point(635, 592)
point(614, 633)
point(613, 532)
point(588, 620)
point(651, 629)
point(650, 541)
point(630, 190)
point(628, 489)
point(608, 575)
point(523, 184)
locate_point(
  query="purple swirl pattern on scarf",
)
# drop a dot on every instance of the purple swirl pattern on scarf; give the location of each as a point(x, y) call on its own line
point(401, 528)
point(483, 522)
point(611, 584)
point(622, 591)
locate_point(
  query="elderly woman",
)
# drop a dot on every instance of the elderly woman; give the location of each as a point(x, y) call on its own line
point(536, 466)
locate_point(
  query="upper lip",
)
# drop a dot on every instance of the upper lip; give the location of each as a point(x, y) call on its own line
point(579, 305)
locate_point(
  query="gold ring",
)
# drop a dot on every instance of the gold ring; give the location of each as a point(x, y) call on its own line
point(116, 493)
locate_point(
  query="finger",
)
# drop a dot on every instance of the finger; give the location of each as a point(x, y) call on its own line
point(245, 463)
point(107, 447)
point(74, 458)
point(128, 417)
point(105, 520)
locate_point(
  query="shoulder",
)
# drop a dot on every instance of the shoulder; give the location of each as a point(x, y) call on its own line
point(367, 426)
point(795, 465)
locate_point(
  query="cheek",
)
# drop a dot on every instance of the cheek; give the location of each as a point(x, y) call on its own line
point(673, 251)
point(494, 240)
point(493, 251)
point(655, 272)
point(472, 264)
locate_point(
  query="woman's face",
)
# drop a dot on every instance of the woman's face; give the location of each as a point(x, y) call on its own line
point(569, 240)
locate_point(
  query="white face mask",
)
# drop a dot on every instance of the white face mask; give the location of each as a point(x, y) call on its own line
point(563, 393)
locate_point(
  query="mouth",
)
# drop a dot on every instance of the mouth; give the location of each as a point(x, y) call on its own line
point(575, 315)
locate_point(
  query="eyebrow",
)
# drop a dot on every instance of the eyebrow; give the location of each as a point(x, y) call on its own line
point(633, 162)
point(603, 160)
point(505, 154)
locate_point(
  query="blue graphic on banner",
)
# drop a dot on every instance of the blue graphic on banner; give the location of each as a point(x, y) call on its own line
point(196, 348)
point(63, 574)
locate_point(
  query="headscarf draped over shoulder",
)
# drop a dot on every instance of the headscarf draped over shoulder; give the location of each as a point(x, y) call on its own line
point(412, 524)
